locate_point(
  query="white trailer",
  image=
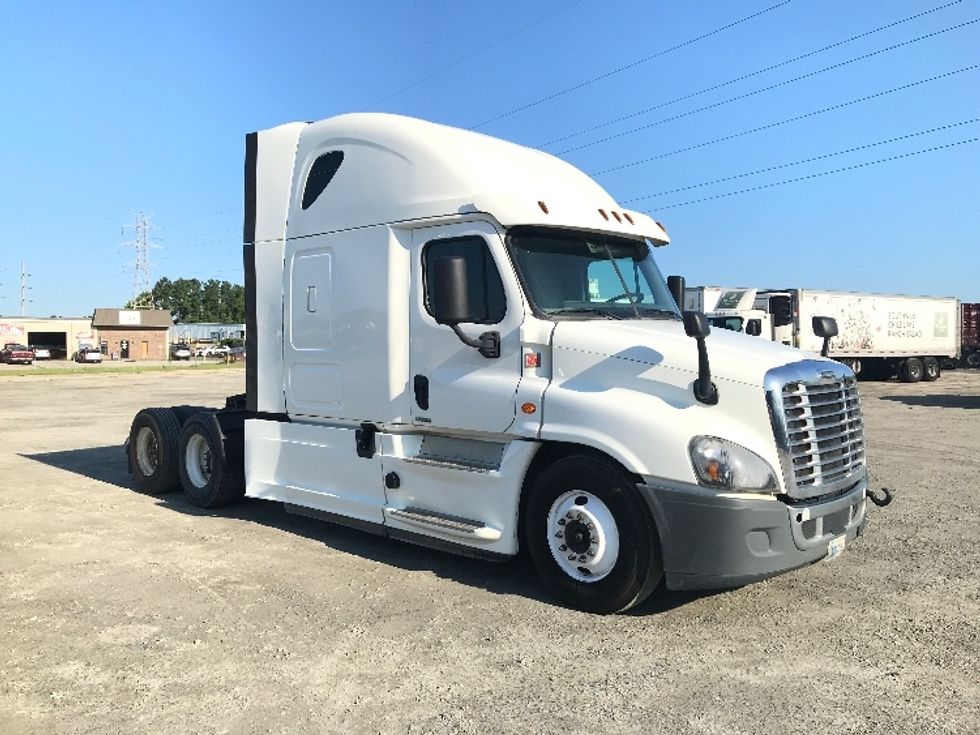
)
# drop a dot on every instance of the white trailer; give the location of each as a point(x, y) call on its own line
point(467, 344)
point(879, 335)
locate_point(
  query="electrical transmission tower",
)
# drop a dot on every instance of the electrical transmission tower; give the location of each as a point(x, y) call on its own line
point(24, 288)
point(141, 271)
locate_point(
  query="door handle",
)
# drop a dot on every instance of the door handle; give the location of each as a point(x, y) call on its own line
point(421, 386)
point(311, 299)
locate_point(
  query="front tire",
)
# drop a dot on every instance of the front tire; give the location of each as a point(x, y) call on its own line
point(203, 469)
point(590, 536)
point(153, 450)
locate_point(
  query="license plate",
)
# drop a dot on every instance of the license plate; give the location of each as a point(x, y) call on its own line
point(836, 546)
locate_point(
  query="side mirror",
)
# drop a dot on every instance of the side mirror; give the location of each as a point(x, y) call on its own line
point(753, 327)
point(675, 284)
point(449, 291)
point(825, 327)
point(450, 301)
point(696, 325)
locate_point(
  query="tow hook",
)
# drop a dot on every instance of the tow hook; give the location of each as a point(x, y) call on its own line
point(880, 500)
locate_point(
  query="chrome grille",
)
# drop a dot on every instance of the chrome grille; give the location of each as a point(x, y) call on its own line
point(824, 432)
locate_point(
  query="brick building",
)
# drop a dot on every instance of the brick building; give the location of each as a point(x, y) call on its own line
point(133, 334)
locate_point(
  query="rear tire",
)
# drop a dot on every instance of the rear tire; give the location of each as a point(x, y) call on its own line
point(185, 412)
point(911, 370)
point(589, 509)
point(930, 369)
point(973, 359)
point(204, 473)
point(153, 450)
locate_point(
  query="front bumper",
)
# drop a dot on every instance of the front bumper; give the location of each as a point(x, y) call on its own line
point(710, 541)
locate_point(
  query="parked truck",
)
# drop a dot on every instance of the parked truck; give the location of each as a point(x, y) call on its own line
point(880, 335)
point(467, 344)
point(703, 298)
point(970, 334)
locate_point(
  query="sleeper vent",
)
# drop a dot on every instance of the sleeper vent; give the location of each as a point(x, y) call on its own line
point(321, 174)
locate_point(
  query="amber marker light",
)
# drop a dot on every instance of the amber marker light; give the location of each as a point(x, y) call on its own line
point(544, 207)
point(628, 218)
point(604, 215)
point(713, 473)
point(528, 408)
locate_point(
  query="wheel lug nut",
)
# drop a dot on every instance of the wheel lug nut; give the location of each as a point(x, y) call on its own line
point(591, 552)
point(570, 516)
point(582, 557)
point(561, 521)
point(571, 557)
point(591, 526)
point(563, 548)
point(559, 535)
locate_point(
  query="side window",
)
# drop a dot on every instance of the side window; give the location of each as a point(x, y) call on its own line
point(321, 173)
point(486, 290)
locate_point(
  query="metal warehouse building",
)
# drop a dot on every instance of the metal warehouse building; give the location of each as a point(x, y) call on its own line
point(205, 332)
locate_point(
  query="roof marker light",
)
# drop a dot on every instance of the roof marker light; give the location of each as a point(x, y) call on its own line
point(544, 207)
point(628, 218)
point(604, 215)
point(616, 215)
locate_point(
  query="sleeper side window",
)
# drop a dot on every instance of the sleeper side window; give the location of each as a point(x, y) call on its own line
point(321, 174)
point(486, 290)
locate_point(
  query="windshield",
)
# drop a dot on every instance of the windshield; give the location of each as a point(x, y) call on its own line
point(575, 275)
point(733, 323)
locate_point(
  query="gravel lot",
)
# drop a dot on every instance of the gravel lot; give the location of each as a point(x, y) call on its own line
point(121, 612)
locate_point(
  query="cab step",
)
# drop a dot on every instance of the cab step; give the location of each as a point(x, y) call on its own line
point(452, 525)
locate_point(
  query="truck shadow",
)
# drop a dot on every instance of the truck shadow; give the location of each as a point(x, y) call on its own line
point(937, 401)
point(513, 577)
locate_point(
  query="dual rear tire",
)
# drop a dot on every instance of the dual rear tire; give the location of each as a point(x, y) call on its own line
point(183, 448)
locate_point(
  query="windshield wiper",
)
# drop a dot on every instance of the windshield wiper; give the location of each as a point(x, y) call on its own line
point(659, 313)
point(605, 313)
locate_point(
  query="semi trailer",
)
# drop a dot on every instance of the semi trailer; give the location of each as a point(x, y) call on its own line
point(880, 335)
point(463, 343)
point(970, 334)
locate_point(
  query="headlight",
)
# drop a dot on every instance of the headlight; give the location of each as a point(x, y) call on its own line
point(723, 464)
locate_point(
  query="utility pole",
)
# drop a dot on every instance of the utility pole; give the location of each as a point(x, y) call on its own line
point(24, 288)
point(141, 271)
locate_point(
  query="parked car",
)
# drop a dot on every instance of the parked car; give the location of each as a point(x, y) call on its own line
point(41, 353)
point(211, 351)
point(236, 354)
point(87, 353)
point(13, 352)
point(180, 352)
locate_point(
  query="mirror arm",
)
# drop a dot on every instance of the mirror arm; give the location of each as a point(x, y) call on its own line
point(704, 390)
point(488, 343)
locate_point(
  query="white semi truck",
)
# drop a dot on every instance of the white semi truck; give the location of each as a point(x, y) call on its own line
point(464, 343)
point(880, 335)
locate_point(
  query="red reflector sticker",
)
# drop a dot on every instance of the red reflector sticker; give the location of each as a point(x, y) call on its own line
point(532, 360)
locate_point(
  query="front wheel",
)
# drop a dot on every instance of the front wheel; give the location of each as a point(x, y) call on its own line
point(590, 536)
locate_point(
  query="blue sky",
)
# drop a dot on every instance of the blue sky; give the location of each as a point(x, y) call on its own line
point(114, 108)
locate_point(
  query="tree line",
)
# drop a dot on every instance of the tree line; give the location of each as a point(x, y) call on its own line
point(192, 300)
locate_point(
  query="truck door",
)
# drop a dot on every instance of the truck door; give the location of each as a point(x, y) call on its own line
point(453, 385)
point(781, 313)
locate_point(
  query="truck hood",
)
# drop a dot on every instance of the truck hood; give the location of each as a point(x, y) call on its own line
point(733, 356)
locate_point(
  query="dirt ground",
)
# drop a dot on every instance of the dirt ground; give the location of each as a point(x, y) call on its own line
point(126, 613)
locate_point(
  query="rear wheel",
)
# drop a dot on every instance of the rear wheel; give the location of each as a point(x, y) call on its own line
point(973, 359)
point(590, 536)
point(204, 473)
point(911, 370)
point(153, 450)
point(930, 369)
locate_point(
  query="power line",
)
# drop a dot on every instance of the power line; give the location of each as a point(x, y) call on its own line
point(795, 118)
point(755, 73)
point(804, 160)
point(770, 87)
point(476, 53)
point(816, 175)
point(631, 65)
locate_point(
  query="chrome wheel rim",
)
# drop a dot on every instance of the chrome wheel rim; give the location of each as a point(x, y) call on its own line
point(583, 536)
point(147, 451)
point(197, 461)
